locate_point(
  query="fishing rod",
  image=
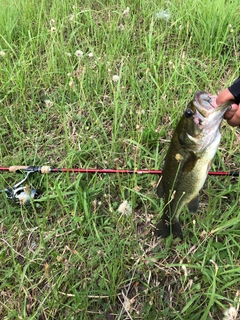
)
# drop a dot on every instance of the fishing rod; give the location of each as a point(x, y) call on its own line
point(23, 194)
point(48, 169)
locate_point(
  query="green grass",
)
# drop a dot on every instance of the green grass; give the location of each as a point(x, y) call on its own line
point(72, 255)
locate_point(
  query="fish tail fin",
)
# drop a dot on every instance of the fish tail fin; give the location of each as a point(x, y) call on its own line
point(177, 229)
point(165, 228)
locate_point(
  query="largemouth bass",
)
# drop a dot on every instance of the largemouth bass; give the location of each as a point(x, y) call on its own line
point(189, 157)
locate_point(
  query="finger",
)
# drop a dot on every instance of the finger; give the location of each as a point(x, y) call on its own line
point(231, 112)
point(235, 119)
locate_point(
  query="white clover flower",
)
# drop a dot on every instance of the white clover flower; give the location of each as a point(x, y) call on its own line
point(2, 54)
point(125, 208)
point(71, 18)
point(53, 30)
point(171, 64)
point(71, 84)
point(127, 304)
point(126, 12)
point(121, 27)
point(231, 28)
point(139, 128)
point(48, 103)
point(115, 78)
point(90, 54)
point(163, 15)
point(52, 21)
point(78, 53)
point(230, 314)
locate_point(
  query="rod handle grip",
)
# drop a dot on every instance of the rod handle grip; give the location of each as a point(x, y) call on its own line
point(17, 168)
point(43, 169)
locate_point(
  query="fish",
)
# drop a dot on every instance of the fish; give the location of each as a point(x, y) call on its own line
point(192, 148)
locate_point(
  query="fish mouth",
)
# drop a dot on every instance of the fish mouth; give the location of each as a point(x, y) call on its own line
point(203, 101)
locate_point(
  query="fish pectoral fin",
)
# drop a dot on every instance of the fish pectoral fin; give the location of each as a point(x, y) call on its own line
point(181, 138)
point(165, 228)
point(190, 162)
point(193, 204)
point(160, 189)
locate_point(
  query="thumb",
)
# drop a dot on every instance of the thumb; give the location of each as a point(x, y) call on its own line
point(224, 96)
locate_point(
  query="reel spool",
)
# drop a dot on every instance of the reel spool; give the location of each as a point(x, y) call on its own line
point(22, 195)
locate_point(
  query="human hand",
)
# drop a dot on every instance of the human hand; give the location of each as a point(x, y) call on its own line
point(232, 115)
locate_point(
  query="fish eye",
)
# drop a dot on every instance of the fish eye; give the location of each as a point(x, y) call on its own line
point(189, 113)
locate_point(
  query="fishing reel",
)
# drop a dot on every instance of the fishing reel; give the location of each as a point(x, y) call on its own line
point(21, 194)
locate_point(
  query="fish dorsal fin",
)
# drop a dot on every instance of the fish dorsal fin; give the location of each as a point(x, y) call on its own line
point(193, 204)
